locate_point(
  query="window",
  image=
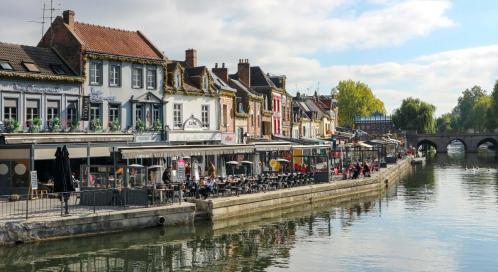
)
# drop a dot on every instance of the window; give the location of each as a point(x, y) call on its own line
point(137, 77)
point(10, 109)
point(32, 109)
point(115, 75)
point(205, 83)
point(72, 112)
point(31, 67)
point(52, 109)
point(57, 69)
point(178, 80)
point(177, 116)
point(94, 111)
point(225, 115)
point(113, 113)
point(95, 73)
point(156, 113)
point(151, 78)
point(4, 65)
point(139, 113)
point(205, 116)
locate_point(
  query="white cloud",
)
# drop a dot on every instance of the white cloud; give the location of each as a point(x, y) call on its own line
point(277, 35)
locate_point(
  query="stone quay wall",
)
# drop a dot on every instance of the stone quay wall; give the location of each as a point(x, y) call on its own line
point(36, 229)
point(245, 205)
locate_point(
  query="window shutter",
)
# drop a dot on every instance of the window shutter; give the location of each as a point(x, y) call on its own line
point(52, 104)
point(101, 72)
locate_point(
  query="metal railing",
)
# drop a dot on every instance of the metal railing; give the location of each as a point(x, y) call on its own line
point(15, 206)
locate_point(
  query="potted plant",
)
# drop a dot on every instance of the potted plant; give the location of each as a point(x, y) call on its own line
point(140, 126)
point(158, 125)
point(11, 125)
point(96, 124)
point(115, 125)
point(54, 124)
point(75, 126)
point(34, 125)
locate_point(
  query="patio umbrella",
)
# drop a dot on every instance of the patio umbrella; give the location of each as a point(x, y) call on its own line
point(282, 160)
point(62, 176)
point(233, 163)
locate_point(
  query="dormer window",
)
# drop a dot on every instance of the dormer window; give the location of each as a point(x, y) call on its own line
point(178, 80)
point(205, 83)
point(31, 67)
point(57, 69)
point(5, 65)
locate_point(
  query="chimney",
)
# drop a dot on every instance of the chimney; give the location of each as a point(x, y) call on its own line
point(68, 18)
point(244, 71)
point(191, 57)
point(221, 72)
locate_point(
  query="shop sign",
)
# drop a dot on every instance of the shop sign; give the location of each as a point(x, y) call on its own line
point(148, 137)
point(34, 180)
point(32, 88)
point(85, 108)
point(182, 136)
point(98, 96)
point(192, 123)
point(181, 170)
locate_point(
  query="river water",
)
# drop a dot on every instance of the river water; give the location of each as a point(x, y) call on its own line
point(441, 217)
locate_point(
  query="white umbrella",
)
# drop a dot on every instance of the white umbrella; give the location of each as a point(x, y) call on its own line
point(232, 163)
point(246, 162)
point(136, 165)
point(282, 160)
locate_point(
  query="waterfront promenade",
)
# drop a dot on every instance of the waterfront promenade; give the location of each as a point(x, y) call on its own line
point(85, 221)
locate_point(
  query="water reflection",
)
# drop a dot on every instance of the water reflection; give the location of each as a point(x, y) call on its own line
point(440, 216)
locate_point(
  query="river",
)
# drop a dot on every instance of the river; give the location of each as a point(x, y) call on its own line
point(441, 217)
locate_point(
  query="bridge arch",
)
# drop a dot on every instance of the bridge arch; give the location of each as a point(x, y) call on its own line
point(458, 140)
point(428, 142)
point(487, 140)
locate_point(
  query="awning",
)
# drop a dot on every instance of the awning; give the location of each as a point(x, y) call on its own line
point(272, 146)
point(362, 144)
point(74, 152)
point(311, 147)
point(182, 150)
point(42, 138)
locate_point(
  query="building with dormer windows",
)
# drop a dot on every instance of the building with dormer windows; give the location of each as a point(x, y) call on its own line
point(123, 75)
point(192, 103)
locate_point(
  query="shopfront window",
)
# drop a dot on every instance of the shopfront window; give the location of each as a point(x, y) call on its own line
point(72, 112)
point(52, 109)
point(32, 109)
point(10, 109)
point(113, 113)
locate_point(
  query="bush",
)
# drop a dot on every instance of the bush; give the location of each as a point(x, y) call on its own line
point(54, 124)
point(11, 125)
point(158, 125)
point(96, 125)
point(115, 125)
point(140, 126)
point(75, 126)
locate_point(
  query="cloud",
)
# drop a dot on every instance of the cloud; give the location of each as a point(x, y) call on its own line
point(275, 34)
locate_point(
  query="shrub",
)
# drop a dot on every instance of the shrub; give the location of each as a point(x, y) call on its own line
point(158, 125)
point(96, 125)
point(54, 124)
point(11, 125)
point(140, 126)
point(115, 125)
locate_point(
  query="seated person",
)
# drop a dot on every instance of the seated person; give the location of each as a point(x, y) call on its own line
point(208, 187)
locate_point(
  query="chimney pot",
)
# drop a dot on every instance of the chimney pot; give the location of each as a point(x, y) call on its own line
point(216, 65)
point(68, 18)
point(223, 65)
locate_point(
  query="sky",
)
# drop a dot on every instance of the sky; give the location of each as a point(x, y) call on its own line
point(429, 49)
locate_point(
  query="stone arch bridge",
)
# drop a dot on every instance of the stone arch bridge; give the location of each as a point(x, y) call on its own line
point(441, 140)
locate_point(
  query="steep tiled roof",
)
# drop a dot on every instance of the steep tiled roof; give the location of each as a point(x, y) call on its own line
point(115, 41)
point(259, 78)
point(219, 83)
point(239, 85)
point(45, 59)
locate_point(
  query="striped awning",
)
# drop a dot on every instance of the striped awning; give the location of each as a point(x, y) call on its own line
point(182, 151)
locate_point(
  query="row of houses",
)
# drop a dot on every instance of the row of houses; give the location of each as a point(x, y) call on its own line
point(85, 77)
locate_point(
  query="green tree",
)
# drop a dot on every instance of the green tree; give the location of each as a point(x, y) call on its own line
point(492, 114)
point(445, 123)
point(465, 105)
point(415, 114)
point(478, 113)
point(356, 98)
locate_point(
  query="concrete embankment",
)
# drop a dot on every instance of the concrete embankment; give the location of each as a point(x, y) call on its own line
point(36, 229)
point(245, 205)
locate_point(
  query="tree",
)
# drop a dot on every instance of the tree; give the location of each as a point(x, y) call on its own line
point(445, 123)
point(492, 114)
point(415, 114)
point(356, 98)
point(478, 113)
point(464, 107)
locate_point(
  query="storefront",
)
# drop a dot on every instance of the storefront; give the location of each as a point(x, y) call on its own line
point(21, 153)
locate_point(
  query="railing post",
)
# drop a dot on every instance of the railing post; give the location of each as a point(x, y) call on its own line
point(93, 201)
point(27, 206)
